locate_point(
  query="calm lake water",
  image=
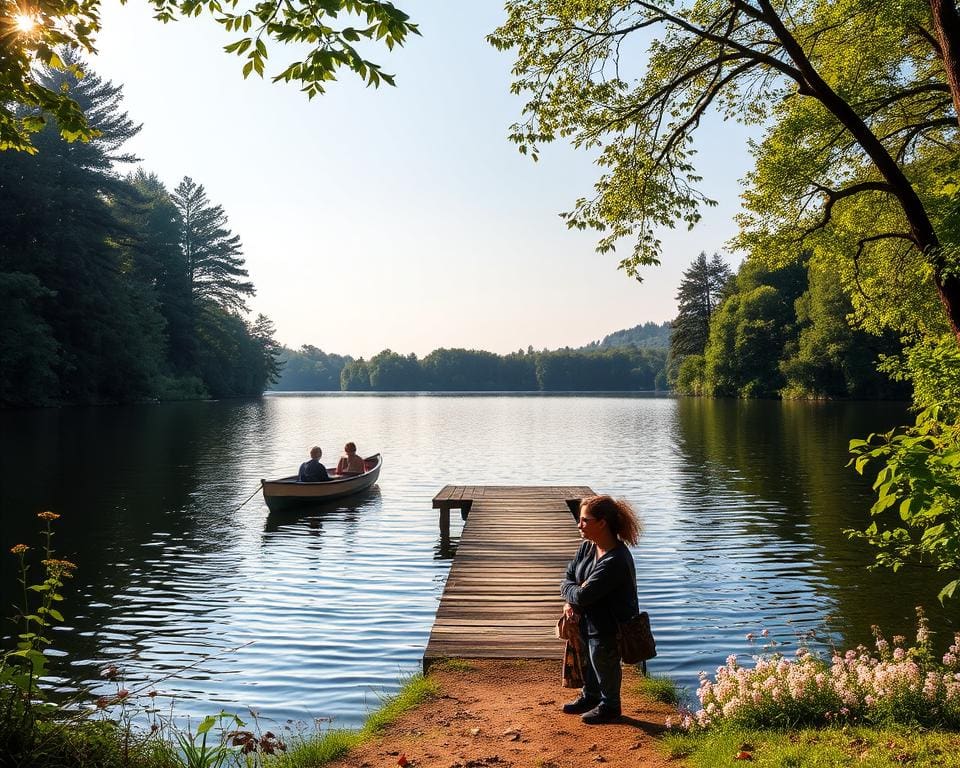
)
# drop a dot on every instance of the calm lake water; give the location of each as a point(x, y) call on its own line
point(316, 615)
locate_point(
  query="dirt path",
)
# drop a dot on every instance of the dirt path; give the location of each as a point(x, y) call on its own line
point(506, 714)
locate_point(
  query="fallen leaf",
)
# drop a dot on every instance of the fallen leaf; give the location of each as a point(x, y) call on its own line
point(743, 755)
point(402, 761)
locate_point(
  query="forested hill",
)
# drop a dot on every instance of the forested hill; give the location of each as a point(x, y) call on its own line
point(113, 288)
point(644, 336)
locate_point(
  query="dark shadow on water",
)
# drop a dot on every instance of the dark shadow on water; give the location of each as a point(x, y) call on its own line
point(446, 546)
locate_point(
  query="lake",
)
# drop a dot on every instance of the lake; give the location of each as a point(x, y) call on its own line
point(314, 617)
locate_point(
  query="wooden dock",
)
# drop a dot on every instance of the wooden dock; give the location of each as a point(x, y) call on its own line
point(502, 597)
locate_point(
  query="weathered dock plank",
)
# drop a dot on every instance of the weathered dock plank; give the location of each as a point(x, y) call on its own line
point(501, 599)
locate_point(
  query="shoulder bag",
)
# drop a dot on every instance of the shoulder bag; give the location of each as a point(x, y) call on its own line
point(635, 639)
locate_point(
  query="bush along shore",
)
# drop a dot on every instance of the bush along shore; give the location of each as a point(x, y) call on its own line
point(892, 704)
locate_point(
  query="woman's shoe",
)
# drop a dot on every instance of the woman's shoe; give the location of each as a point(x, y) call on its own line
point(601, 714)
point(579, 705)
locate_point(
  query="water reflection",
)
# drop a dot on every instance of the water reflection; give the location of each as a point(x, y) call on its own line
point(307, 615)
point(348, 509)
point(772, 479)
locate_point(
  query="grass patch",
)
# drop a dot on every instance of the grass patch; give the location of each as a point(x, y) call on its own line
point(659, 688)
point(813, 748)
point(333, 743)
point(414, 692)
point(453, 665)
point(81, 744)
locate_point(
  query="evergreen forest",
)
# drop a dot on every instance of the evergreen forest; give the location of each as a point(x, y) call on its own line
point(114, 288)
point(775, 331)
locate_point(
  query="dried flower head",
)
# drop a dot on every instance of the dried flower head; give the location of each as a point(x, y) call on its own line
point(19, 549)
point(58, 567)
point(48, 515)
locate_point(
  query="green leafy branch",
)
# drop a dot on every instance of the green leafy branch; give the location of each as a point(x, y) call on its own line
point(916, 517)
point(74, 24)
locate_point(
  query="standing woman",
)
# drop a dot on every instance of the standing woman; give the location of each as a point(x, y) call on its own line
point(600, 588)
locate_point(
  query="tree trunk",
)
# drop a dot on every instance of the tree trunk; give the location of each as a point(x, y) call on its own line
point(946, 26)
point(948, 288)
point(921, 228)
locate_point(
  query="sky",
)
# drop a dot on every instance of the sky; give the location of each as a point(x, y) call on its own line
point(398, 218)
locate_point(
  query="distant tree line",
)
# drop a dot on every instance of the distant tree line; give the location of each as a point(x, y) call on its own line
point(451, 370)
point(774, 331)
point(113, 288)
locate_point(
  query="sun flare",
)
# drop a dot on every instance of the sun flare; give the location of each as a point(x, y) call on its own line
point(24, 22)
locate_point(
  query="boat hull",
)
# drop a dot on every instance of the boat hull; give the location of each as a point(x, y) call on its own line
point(287, 493)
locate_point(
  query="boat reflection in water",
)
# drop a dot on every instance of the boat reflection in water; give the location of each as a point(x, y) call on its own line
point(313, 514)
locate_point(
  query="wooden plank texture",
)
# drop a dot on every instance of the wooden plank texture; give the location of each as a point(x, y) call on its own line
point(502, 596)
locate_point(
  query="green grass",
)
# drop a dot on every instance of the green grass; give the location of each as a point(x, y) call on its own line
point(81, 744)
point(659, 688)
point(809, 748)
point(454, 665)
point(331, 744)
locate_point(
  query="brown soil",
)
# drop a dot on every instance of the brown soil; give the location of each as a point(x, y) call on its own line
point(506, 714)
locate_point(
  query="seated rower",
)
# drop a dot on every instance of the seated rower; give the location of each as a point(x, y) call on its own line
point(313, 471)
point(350, 463)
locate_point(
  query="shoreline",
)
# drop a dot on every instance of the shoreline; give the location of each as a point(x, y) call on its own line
point(506, 713)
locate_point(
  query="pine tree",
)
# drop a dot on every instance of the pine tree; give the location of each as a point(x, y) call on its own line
point(59, 223)
point(701, 291)
point(212, 253)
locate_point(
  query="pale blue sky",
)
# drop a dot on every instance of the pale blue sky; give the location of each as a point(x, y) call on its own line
point(402, 217)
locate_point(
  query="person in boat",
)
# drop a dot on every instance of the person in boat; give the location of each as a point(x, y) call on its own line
point(600, 589)
point(313, 471)
point(350, 463)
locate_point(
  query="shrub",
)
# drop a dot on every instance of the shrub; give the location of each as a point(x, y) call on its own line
point(889, 685)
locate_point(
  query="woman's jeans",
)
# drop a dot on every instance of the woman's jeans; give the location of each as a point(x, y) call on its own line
point(601, 670)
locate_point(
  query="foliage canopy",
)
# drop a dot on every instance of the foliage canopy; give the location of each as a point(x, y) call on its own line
point(867, 83)
point(327, 34)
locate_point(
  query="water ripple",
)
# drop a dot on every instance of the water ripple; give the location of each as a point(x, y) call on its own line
point(316, 615)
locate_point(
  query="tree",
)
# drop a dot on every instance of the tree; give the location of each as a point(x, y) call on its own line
point(700, 292)
point(213, 255)
point(159, 263)
point(28, 351)
point(310, 368)
point(61, 222)
point(38, 33)
point(355, 376)
point(269, 365)
point(831, 358)
point(878, 76)
point(750, 331)
point(391, 372)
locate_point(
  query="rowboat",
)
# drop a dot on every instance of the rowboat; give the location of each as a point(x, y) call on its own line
point(288, 492)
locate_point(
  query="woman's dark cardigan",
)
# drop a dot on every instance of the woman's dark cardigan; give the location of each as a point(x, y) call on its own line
point(603, 591)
